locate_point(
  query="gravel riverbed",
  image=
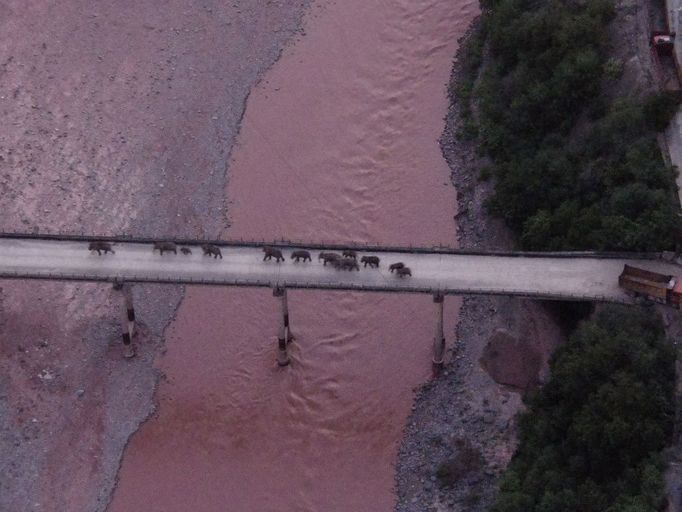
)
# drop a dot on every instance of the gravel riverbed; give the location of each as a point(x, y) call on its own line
point(118, 118)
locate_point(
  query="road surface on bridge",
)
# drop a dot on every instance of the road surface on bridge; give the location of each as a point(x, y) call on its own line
point(580, 277)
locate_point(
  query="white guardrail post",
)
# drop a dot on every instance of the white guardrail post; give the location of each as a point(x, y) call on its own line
point(439, 337)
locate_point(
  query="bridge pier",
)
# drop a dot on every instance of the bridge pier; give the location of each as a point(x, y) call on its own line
point(127, 318)
point(284, 333)
point(439, 337)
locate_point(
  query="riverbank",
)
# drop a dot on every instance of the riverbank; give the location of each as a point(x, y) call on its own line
point(461, 433)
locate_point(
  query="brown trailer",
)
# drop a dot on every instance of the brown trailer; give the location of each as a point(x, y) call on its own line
point(655, 286)
point(675, 295)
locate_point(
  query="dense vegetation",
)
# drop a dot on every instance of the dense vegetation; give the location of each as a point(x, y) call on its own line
point(591, 438)
point(575, 167)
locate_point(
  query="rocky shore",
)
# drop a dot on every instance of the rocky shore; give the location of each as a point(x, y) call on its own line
point(461, 433)
point(112, 115)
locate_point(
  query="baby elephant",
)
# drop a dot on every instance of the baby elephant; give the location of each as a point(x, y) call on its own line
point(297, 255)
point(271, 252)
point(346, 264)
point(404, 271)
point(165, 247)
point(328, 257)
point(212, 250)
point(396, 266)
point(350, 254)
point(186, 251)
point(372, 261)
point(100, 246)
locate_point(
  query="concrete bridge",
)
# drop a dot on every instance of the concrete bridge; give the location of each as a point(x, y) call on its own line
point(436, 271)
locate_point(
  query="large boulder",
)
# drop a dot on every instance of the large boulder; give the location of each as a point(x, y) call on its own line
point(512, 362)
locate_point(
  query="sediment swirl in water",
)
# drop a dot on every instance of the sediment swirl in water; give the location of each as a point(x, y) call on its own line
point(339, 142)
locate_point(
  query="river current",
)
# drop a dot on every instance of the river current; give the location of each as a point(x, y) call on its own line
point(339, 142)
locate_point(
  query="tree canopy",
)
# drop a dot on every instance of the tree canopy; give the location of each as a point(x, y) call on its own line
point(591, 438)
point(574, 168)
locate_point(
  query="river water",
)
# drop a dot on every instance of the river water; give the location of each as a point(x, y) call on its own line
point(338, 142)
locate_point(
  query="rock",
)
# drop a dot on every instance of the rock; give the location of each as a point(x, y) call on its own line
point(510, 361)
point(46, 375)
point(80, 392)
point(668, 255)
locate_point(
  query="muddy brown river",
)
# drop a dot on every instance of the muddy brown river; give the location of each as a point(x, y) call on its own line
point(338, 142)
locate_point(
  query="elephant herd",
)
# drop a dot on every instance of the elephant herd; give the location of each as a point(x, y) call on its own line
point(347, 260)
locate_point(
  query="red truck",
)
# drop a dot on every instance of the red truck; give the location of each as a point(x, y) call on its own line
point(660, 288)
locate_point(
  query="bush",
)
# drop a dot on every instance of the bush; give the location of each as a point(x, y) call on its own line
point(574, 169)
point(591, 437)
point(613, 69)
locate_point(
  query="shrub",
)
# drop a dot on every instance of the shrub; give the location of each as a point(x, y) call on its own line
point(613, 68)
point(591, 437)
point(573, 168)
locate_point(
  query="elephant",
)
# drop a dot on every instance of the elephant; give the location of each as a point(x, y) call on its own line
point(100, 246)
point(271, 252)
point(372, 261)
point(165, 247)
point(298, 255)
point(346, 264)
point(328, 257)
point(212, 250)
point(396, 266)
point(404, 271)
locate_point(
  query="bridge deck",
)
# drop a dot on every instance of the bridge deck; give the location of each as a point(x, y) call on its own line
point(537, 276)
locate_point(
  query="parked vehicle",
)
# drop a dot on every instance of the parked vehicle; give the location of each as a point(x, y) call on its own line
point(663, 42)
point(665, 60)
point(661, 288)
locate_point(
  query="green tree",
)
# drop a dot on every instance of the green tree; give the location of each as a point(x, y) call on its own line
point(573, 168)
point(590, 438)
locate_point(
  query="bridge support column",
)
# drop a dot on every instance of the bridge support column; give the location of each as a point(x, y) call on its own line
point(439, 337)
point(284, 334)
point(127, 318)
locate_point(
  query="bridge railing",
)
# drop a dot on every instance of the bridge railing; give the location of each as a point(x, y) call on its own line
point(321, 245)
point(337, 285)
